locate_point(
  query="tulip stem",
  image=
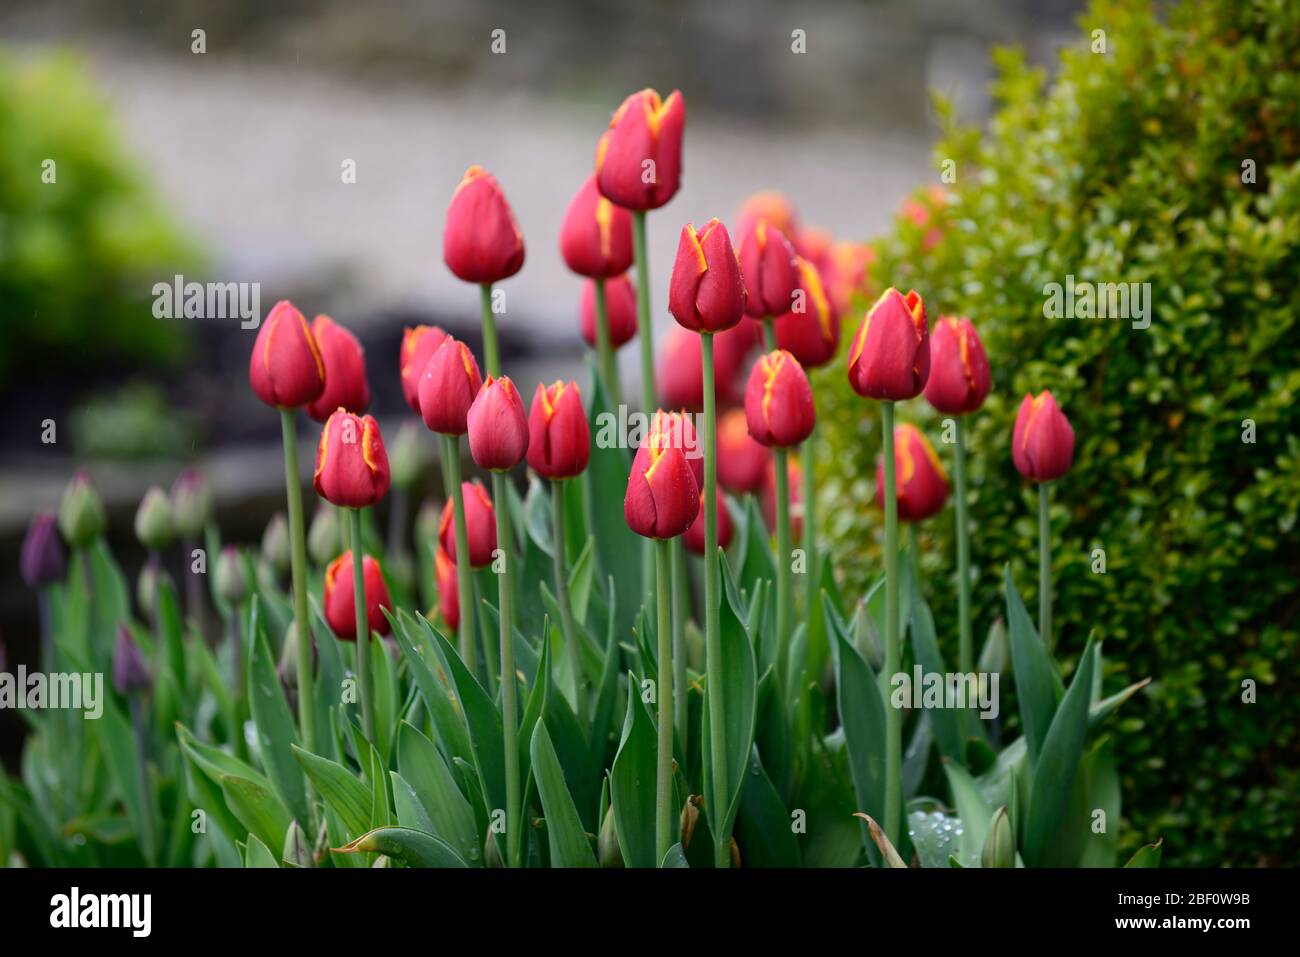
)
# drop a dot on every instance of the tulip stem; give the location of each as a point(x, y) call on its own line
point(562, 596)
point(363, 624)
point(893, 718)
point(712, 612)
point(505, 614)
point(1045, 565)
point(646, 334)
point(966, 641)
point(681, 611)
point(298, 553)
point(664, 698)
point(769, 333)
point(491, 350)
point(810, 522)
point(784, 579)
point(464, 586)
point(604, 348)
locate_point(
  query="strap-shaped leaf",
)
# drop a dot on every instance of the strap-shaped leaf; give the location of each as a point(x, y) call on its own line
point(632, 783)
point(567, 839)
point(1038, 687)
point(946, 722)
point(275, 727)
point(413, 848)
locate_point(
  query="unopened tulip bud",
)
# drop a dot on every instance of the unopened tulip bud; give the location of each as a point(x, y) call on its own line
point(1000, 845)
point(639, 158)
point(419, 343)
point(448, 596)
point(498, 427)
point(694, 536)
point(678, 430)
point(481, 242)
point(559, 439)
point(811, 329)
point(408, 456)
point(346, 386)
point(130, 672)
point(275, 543)
point(620, 311)
point(959, 370)
point(890, 356)
point(230, 579)
point(778, 401)
point(146, 588)
point(742, 462)
point(847, 268)
point(323, 535)
point(81, 512)
point(43, 562)
point(480, 523)
point(608, 853)
point(596, 236)
point(1042, 445)
point(297, 849)
point(663, 495)
point(191, 505)
point(287, 667)
point(706, 292)
point(920, 482)
point(286, 369)
point(339, 601)
point(153, 520)
point(448, 387)
point(771, 206)
point(768, 265)
point(351, 464)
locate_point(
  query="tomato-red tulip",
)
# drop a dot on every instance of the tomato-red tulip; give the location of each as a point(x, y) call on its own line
point(693, 537)
point(481, 242)
point(1042, 446)
point(768, 266)
point(707, 291)
point(498, 428)
point(779, 401)
point(679, 377)
point(480, 525)
point(920, 482)
point(767, 495)
point(847, 266)
point(340, 602)
point(639, 158)
point(742, 462)
point(890, 358)
point(596, 237)
point(345, 370)
point(286, 369)
point(772, 206)
point(814, 245)
point(419, 343)
point(811, 330)
point(678, 430)
point(959, 369)
point(620, 311)
point(448, 595)
point(448, 386)
point(663, 494)
point(351, 464)
point(559, 439)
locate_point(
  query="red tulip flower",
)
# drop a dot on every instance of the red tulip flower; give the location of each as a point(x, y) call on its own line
point(340, 603)
point(768, 265)
point(959, 370)
point(351, 464)
point(620, 311)
point(498, 428)
point(559, 439)
point(418, 345)
point(448, 596)
point(921, 483)
point(771, 206)
point(814, 245)
point(480, 526)
point(811, 330)
point(663, 494)
point(779, 401)
point(1042, 446)
point(847, 266)
point(679, 375)
point(448, 386)
point(286, 369)
point(596, 237)
point(678, 430)
point(481, 242)
point(742, 462)
point(707, 291)
point(639, 158)
point(890, 358)
point(767, 495)
point(693, 538)
point(345, 370)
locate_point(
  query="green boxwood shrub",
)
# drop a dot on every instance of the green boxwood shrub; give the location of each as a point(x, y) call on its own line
point(1172, 158)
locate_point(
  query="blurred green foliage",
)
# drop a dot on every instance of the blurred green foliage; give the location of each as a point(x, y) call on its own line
point(1128, 167)
point(82, 239)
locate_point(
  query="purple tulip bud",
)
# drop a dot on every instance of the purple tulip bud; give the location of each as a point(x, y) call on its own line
point(42, 557)
point(130, 672)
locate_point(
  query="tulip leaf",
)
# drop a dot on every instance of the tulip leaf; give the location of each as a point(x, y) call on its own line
point(447, 720)
point(451, 815)
point(411, 847)
point(887, 850)
point(274, 723)
point(618, 548)
point(171, 634)
point(214, 762)
point(763, 829)
point(975, 812)
point(754, 551)
point(632, 783)
point(946, 722)
point(916, 756)
point(1147, 856)
point(675, 857)
point(124, 760)
point(568, 841)
point(348, 797)
point(258, 808)
point(1101, 791)
point(258, 855)
point(933, 837)
point(1038, 688)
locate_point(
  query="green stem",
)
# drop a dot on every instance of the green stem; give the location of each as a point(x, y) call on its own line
point(645, 332)
point(505, 612)
point(784, 578)
point(491, 351)
point(664, 698)
point(681, 611)
point(1044, 566)
point(769, 333)
point(966, 645)
point(608, 358)
point(363, 624)
point(562, 596)
point(810, 524)
point(139, 726)
point(893, 717)
point(464, 584)
point(298, 554)
point(712, 616)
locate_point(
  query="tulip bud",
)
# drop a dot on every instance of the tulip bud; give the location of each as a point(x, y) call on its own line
point(608, 852)
point(81, 512)
point(706, 292)
point(323, 535)
point(778, 401)
point(678, 430)
point(620, 311)
point(663, 495)
point(559, 439)
point(275, 543)
point(346, 386)
point(230, 579)
point(153, 520)
point(596, 237)
point(146, 588)
point(481, 242)
point(811, 329)
point(1042, 445)
point(191, 504)
point(847, 266)
point(42, 561)
point(130, 672)
point(813, 245)
point(448, 386)
point(771, 206)
point(742, 462)
point(920, 482)
point(639, 158)
point(768, 266)
point(297, 849)
point(480, 525)
point(767, 495)
point(419, 343)
point(890, 357)
point(1000, 845)
point(694, 536)
point(287, 667)
point(286, 369)
point(959, 369)
point(448, 596)
point(351, 464)
point(340, 605)
point(498, 428)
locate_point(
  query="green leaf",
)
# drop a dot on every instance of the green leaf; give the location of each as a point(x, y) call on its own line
point(862, 713)
point(349, 798)
point(410, 810)
point(763, 829)
point(124, 762)
point(972, 808)
point(675, 857)
point(214, 762)
point(275, 727)
point(447, 721)
point(618, 548)
point(258, 808)
point(1147, 856)
point(567, 839)
point(945, 722)
point(413, 848)
point(632, 783)
point(1038, 688)
point(432, 780)
point(1102, 792)
point(258, 855)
